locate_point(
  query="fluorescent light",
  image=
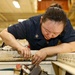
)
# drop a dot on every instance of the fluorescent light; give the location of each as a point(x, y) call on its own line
point(35, 6)
point(39, 0)
point(16, 4)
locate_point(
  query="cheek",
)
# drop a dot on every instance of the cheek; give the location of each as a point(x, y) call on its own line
point(56, 35)
point(42, 30)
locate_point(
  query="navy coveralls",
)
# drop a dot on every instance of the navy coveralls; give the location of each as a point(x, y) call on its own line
point(31, 31)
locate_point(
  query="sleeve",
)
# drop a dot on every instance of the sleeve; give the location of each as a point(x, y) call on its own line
point(68, 34)
point(19, 30)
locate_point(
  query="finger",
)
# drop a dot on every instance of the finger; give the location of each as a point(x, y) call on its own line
point(27, 54)
point(34, 59)
point(38, 61)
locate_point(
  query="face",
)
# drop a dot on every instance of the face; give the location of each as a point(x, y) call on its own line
point(51, 29)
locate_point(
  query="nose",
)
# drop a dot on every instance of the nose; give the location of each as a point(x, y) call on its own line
point(50, 35)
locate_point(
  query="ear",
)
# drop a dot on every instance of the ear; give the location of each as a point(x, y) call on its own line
point(41, 19)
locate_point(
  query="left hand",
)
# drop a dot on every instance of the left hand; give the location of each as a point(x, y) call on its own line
point(39, 56)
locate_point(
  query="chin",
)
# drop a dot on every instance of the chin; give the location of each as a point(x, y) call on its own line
point(47, 38)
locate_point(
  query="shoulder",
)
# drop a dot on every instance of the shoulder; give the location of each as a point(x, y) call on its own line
point(68, 23)
point(32, 20)
point(35, 19)
point(68, 28)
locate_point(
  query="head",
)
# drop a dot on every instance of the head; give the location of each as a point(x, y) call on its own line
point(53, 22)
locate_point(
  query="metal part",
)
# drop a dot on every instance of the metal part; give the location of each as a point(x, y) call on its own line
point(36, 70)
point(26, 69)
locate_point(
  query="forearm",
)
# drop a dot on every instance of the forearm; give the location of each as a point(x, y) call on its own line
point(62, 48)
point(9, 39)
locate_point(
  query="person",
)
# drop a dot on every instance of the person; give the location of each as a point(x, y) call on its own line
point(43, 32)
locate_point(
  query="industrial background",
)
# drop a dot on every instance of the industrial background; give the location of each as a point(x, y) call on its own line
point(10, 15)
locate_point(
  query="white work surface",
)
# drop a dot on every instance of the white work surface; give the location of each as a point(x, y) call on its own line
point(64, 67)
point(46, 65)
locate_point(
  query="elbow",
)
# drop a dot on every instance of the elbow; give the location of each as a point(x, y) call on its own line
point(2, 33)
point(72, 45)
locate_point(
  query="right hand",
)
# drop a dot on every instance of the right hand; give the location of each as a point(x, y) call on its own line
point(25, 52)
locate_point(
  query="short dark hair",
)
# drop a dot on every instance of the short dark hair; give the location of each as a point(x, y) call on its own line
point(56, 14)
